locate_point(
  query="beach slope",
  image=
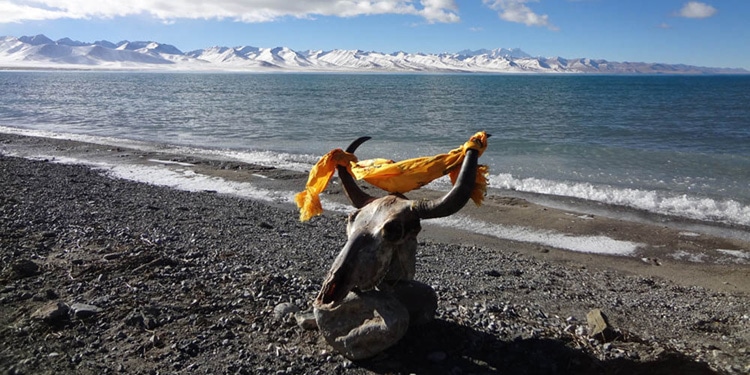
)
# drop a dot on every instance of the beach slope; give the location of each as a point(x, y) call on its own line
point(106, 275)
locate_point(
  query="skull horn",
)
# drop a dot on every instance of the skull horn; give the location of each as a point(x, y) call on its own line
point(358, 197)
point(457, 197)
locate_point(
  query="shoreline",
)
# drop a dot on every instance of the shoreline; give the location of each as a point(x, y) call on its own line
point(664, 246)
point(109, 275)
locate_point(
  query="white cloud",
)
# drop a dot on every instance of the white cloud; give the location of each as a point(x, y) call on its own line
point(440, 11)
point(13, 12)
point(517, 11)
point(695, 9)
point(245, 11)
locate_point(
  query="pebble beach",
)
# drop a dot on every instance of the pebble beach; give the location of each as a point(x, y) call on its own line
point(105, 275)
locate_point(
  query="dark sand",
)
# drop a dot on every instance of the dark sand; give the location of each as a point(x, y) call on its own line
point(187, 281)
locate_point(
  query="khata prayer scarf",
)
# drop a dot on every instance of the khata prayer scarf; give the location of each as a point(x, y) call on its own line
point(393, 177)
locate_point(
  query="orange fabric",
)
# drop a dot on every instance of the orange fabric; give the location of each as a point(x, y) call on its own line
point(411, 174)
point(321, 173)
point(393, 177)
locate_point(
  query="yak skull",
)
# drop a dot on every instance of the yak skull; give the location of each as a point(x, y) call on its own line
point(382, 234)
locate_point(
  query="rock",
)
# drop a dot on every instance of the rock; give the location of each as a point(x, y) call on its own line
point(156, 341)
point(283, 309)
point(363, 324)
point(306, 320)
point(82, 310)
point(51, 313)
point(146, 316)
point(419, 299)
point(599, 326)
point(113, 256)
point(134, 318)
point(23, 268)
point(51, 294)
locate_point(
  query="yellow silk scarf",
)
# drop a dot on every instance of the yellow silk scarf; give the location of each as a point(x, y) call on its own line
point(393, 177)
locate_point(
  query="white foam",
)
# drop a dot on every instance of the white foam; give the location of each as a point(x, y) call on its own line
point(179, 178)
point(689, 234)
point(692, 257)
point(189, 180)
point(109, 141)
point(281, 160)
point(726, 211)
point(170, 162)
point(735, 253)
point(584, 244)
point(294, 162)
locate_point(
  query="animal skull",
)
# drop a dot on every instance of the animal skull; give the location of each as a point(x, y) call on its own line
point(382, 234)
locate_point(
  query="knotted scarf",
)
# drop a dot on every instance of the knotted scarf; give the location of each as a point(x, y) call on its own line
point(393, 177)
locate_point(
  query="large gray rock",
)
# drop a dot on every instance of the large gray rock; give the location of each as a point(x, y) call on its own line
point(419, 299)
point(306, 320)
point(282, 310)
point(363, 324)
point(82, 310)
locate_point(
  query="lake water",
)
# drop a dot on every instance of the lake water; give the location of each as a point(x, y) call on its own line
point(677, 145)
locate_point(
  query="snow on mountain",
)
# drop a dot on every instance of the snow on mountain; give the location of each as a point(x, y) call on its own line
point(149, 47)
point(516, 53)
point(234, 58)
point(43, 53)
point(352, 59)
point(283, 56)
point(10, 46)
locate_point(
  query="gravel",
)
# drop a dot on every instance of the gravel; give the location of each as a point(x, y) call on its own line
point(104, 276)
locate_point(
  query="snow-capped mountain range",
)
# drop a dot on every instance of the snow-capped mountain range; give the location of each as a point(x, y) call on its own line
point(40, 52)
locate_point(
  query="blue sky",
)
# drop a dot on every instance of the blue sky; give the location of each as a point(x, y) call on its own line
point(713, 33)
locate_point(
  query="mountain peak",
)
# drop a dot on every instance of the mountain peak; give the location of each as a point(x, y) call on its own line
point(148, 46)
point(105, 44)
point(36, 40)
point(71, 43)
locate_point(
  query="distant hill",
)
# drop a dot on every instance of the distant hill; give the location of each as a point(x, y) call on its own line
point(40, 52)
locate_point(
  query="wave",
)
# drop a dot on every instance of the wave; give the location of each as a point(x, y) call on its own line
point(662, 202)
point(583, 244)
point(266, 158)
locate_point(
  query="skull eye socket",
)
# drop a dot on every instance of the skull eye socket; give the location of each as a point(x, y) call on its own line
point(412, 227)
point(393, 231)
